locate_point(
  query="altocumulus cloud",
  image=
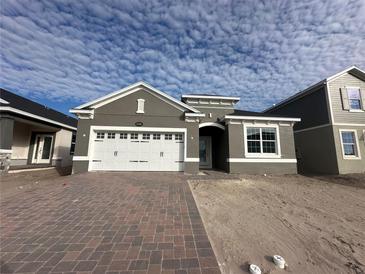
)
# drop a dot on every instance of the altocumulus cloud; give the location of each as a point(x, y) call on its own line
point(263, 51)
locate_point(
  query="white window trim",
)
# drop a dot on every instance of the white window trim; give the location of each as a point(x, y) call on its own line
point(350, 157)
point(348, 98)
point(262, 155)
point(140, 106)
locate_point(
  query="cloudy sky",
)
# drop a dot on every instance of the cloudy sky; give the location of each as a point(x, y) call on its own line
point(64, 53)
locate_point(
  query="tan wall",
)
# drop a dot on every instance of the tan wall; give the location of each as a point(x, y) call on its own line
point(339, 114)
point(62, 145)
point(21, 141)
point(350, 165)
point(237, 150)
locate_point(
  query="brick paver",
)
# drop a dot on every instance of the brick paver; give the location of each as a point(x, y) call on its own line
point(105, 223)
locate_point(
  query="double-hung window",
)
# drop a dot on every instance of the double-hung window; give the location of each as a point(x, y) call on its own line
point(354, 97)
point(349, 144)
point(73, 143)
point(261, 141)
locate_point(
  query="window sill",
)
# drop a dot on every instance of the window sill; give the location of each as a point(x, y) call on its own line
point(265, 156)
point(355, 110)
point(139, 111)
point(351, 158)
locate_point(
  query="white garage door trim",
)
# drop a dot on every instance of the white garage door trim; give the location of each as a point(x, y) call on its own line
point(93, 129)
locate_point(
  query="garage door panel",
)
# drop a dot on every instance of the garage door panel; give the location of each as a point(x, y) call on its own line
point(138, 151)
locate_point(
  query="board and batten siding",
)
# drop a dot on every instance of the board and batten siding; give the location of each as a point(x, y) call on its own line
point(340, 115)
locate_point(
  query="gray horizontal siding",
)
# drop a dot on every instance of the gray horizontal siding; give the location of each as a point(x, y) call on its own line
point(339, 114)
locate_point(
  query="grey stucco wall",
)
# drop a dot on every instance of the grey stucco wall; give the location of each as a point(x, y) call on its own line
point(263, 168)
point(237, 144)
point(236, 149)
point(122, 113)
point(316, 151)
point(339, 114)
point(350, 165)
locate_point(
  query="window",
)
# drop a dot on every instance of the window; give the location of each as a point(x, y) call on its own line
point(156, 136)
point(354, 98)
point(349, 144)
point(168, 136)
point(73, 143)
point(100, 135)
point(178, 136)
point(111, 135)
point(261, 140)
point(123, 136)
point(134, 136)
point(140, 106)
point(146, 136)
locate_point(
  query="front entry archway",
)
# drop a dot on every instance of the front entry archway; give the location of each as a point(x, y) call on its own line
point(213, 146)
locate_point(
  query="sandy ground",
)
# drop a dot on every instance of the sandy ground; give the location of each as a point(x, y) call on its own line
point(316, 223)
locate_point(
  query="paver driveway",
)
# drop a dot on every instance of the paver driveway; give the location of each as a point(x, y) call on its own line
point(106, 223)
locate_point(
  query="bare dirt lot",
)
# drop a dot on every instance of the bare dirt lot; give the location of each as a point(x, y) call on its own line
point(316, 223)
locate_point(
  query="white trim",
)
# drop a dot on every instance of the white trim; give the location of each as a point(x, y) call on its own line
point(262, 155)
point(191, 160)
point(140, 105)
point(211, 97)
point(329, 102)
point(128, 90)
point(83, 111)
point(2, 101)
point(347, 124)
point(245, 160)
point(215, 107)
point(261, 118)
point(355, 110)
point(6, 151)
point(14, 110)
point(349, 157)
point(331, 78)
point(194, 114)
point(212, 124)
point(146, 129)
point(80, 158)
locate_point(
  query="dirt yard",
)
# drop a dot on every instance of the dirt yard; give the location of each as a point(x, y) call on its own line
point(316, 223)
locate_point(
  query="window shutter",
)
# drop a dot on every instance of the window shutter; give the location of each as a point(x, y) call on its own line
point(345, 99)
point(363, 98)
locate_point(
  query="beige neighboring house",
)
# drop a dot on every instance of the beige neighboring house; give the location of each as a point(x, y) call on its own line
point(140, 128)
point(33, 135)
point(330, 137)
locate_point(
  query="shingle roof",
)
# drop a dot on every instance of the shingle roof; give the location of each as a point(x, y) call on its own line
point(10, 99)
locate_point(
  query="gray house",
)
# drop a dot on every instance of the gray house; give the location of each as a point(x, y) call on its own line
point(140, 128)
point(330, 137)
point(33, 135)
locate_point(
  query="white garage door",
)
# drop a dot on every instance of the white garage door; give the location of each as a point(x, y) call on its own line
point(138, 151)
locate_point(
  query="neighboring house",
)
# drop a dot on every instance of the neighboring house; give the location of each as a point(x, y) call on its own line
point(32, 135)
point(330, 137)
point(140, 128)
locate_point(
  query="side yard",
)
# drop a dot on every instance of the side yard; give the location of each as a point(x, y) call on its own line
point(316, 223)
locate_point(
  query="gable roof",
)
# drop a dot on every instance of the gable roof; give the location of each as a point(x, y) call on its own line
point(10, 102)
point(352, 70)
point(128, 90)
